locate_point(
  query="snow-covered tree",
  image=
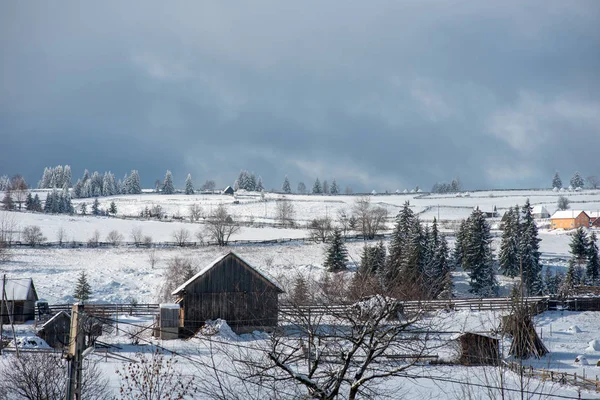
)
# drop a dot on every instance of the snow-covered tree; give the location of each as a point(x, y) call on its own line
point(83, 290)
point(509, 246)
point(113, 208)
point(251, 182)
point(334, 187)
point(189, 186)
point(67, 177)
point(478, 257)
point(317, 189)
point(325, 187)
point(556, 182)
point(133, 184)
point(529, 252)
point(301, 188)
point(4, 183)
point(577, 181)
point(96, 207)
point(336, 255)
point(286, 186)
point(259, 184)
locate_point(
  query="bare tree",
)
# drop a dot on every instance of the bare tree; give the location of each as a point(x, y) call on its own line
point(285, 213)
point(200, 236)
point(154, 377)
point(320, 229)
point(137, 235)
point(208, 185)
point(563, 203)
point(220, 225)
point(370, 220)
point(43, 376)
point(114, 238)
point(179, 270)
point(61, 236)
point(152, 259)
point(593, 182)
point(8, 228)
point(195, 212)
point(94, 240)
point(19, 188)
point(181, 236)
point(33, 235)
point(343, 220)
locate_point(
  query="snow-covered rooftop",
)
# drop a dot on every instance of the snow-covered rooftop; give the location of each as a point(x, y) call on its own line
point(567, 214)
point(55, 317)
point(18, 289)
point(539, 209)
point(215, 262)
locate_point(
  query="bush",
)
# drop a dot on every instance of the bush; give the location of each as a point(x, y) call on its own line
point(114, 238)
point(33, 236)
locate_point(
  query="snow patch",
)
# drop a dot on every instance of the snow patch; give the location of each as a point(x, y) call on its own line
point(581, 360)
point(574, 329)
point(219, 328)
point(594, 345)
point(30, 342)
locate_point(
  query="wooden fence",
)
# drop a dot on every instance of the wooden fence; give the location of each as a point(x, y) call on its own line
point(563, 378)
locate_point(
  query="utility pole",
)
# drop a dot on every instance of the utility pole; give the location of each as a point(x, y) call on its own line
point(74, 356)
point(2, 310)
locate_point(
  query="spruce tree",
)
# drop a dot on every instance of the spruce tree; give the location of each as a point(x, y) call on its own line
point(48, 206)
point(67, 177)
point(168, 187)
point(509, 246)
point(334, 187)
point(251, 182)
point(96, 207)
point(83, 289)
point(82, 207)
point(579, 247)
point(529, 252)
point(37, 203)
point(286, 186)
point(133, 185)
point(577, 181)
point(478, 256)
point(317, 189)
point(301, 188)
point(399, 245)
point(113, 208)
point(29, 202)
point(458, 253)
point(336, 255)
point(556, 182)
point(325, 187)
point(259, 184)
point(592, 270)
point(189, 186)
point(7, 201)
point(442, 278)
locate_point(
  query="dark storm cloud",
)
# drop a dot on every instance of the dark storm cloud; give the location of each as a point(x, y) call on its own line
point(381, 95)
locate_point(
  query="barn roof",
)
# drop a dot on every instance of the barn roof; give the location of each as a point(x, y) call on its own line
point(55, 317)
point(539, 209)
point(19, 289)
point(567, 214)
point(217, 261)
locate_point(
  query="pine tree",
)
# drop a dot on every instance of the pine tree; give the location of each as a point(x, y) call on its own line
point(189, 186)
point(334, 187)
point(529, 252)
point(29, 202)
point(577, 181)
point(133, 184)
point(478, 256)
point(556, 182)
point(579, 247)
point(83, 289)
point(325, 187)
point(399, 245)
point(336, 255)
point(301, 188)
point(259, 184)
point(67, 177)
point(317, 189)
point(7, 201)
point(286, 186)
point(37, 203)
point(96, 207)
point(458, 253)
point(444, 284)
point(592, 270)
point(82, 207)
point(113, 208)
point(168, 187)
point(251, 182)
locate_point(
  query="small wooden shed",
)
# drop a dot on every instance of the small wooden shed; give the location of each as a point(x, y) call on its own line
point(56, 330)
point(478, 349)
point(228, 190)
point(20, 300)
point(231, 289)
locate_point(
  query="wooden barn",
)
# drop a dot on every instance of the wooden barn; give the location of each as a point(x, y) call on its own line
point(56, 330)
point(19, 301)
point(478, 349)
point(231, 289)
point(540, 212)
point(229, 190)
point(570, 219)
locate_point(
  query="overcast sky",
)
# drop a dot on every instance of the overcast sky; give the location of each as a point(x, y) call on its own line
point(378, 94)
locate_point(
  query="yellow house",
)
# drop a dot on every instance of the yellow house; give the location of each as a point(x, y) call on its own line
point(570, 219)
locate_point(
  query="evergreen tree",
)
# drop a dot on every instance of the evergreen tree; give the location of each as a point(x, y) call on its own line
point(458, 253)
point(168, 187)
point(7, 201)
point(325, 187)
point(529, 252)
point(577, 181)
point(301, 188)
point(556, 182)
point(96, 207)
point(133, 184)
point(413, 270)
point(83, 289)
point(259, 184)
point(317, 189)
point(399, 245)
point(48, 206)
point(579, 247)
point(83, 208)
point(509, 247)
point(37, 203)
point(189, 186)
point(113, 208)
point(67, 177)
point(251, 182)
point(286, 186)
point(444, 286)
point(592, 270)
point(334, 187)
point(58, 176)
point(478, 256)
point(372, 259)
point(336, 255)
point(29, 202)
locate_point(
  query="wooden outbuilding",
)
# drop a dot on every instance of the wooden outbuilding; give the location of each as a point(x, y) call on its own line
point(229, 190)
point(19, 301)
point(56, 330)
point(540, 212)
point(478, 349)
point(594, 218)
point(570, 219)
point(231, 289)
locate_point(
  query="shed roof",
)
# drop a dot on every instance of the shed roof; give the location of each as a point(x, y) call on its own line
point(539, 209)
point(19, 289)
point(567, 214)
point(55, 317)
point(217, 261)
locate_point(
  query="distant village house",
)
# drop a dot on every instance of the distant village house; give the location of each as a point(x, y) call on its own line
point(20, 298)
point(570, 219)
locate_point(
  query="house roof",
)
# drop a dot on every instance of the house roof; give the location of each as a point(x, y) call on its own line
point(567, 214)
point(539, 209)
point(217, 261)
point(19, 289)
point(66, 314)
point(593, 214)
